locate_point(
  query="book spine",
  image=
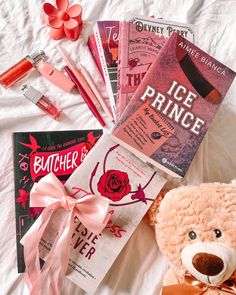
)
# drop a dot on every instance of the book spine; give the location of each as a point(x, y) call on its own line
point(94, 51)
point(104, 69)
point(119, 68)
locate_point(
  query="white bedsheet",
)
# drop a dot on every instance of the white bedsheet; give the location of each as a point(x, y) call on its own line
point(140, 267)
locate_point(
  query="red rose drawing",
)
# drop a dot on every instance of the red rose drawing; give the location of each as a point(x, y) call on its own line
point(114, 185)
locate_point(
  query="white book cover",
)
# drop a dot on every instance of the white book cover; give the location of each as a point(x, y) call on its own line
point(131, 186)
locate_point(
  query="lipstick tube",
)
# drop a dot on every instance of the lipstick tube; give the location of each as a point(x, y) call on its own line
point(22, 68)
point(41, 101)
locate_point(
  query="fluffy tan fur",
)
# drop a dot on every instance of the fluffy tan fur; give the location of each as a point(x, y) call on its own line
point(201, 208)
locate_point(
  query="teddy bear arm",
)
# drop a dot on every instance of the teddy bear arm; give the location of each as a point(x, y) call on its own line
point(171, 278)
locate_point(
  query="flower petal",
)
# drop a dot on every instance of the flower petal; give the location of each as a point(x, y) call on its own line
point(57, 34)
point(55, 23)
point(73, 35)
point(71, 24)
point(49, 9)
point(62, 4)
point(75, 10)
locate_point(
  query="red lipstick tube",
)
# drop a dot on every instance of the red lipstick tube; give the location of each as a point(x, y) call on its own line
point(22, 68)
point(41, 101)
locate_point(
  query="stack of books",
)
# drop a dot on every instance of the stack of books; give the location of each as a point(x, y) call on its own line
point(164, 91)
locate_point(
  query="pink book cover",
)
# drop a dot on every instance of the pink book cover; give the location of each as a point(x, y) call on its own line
point(94, 51)
point(130, 185)
point(107, 35)
point(140, 40)
point(171, 110)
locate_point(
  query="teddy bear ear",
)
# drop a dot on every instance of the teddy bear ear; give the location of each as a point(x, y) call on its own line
point(154, 209)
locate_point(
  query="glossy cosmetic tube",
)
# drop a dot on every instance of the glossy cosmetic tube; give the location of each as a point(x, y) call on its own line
point(41, 101)
point(22, 68)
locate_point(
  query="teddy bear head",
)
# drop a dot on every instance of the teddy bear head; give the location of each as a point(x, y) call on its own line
point(196, 230)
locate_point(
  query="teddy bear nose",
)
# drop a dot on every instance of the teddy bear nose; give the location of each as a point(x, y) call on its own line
point(208, 264)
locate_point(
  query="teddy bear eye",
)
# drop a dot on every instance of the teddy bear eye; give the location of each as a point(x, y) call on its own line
point(192, 235)
point(218, 233)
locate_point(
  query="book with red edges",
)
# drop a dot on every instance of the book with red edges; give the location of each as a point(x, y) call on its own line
point(94, 51)
point(35, 155)
point(172, 108)
point(106, 35)
point(109, 171)
point(140, 40)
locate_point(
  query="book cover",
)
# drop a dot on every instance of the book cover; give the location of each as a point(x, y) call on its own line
point(35, 155)
point(140, 40)
point(107, 35)
point(130, 185)
point(174, 105)
point(94, 51)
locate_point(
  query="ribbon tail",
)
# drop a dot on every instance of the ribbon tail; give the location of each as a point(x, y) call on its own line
point(31, 250)
point(58, 257)
point(181, 289)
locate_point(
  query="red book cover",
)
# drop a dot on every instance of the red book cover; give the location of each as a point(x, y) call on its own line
point(94, 51)
point(172, 108)
point(140, 40)
point(35, 155)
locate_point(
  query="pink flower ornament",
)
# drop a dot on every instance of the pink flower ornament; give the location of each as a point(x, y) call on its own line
point(63, 21)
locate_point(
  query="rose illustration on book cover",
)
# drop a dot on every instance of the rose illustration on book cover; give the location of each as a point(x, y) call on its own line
point(114, 185)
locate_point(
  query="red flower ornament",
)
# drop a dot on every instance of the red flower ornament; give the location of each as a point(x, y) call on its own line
point(114, 185)
point(63, 21)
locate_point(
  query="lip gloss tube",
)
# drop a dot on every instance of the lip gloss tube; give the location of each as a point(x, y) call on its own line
point(41, 101)
point(22, 68)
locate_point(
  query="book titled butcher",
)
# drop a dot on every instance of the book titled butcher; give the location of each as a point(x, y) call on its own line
point(112, 172)
point(140, 41)
point(172, 108)
point(107, 35)
point(35, 155)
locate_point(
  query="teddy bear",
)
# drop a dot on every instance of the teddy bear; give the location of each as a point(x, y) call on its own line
point(195, 228)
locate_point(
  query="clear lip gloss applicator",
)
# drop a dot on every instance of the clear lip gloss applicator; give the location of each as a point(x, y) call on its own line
point(41, 101)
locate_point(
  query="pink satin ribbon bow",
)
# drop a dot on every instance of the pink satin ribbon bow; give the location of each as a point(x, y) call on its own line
point(91, 210)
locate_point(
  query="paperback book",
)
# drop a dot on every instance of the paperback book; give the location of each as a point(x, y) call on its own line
point(106, 35)
point(130, 185)
point(35, 155)
point(140, 41)
point(172, 108)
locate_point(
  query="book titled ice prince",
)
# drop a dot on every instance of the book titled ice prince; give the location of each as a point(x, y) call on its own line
point(171, 110)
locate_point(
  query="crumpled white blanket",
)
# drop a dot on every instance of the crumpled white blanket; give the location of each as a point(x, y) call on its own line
point(140, 267)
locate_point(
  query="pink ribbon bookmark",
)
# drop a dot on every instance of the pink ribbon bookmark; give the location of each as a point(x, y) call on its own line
point(50, 193)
